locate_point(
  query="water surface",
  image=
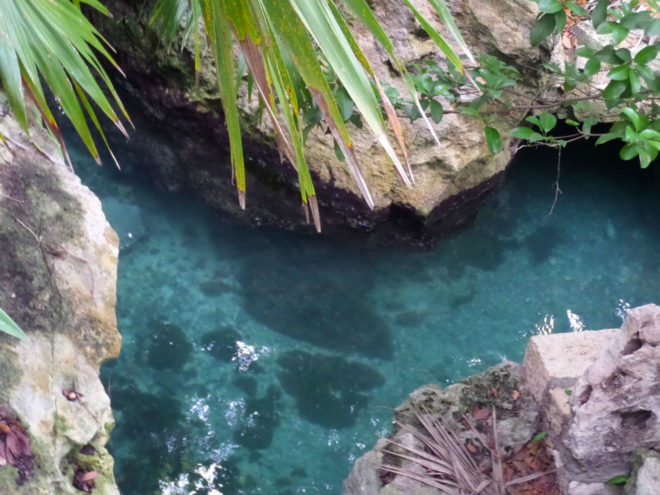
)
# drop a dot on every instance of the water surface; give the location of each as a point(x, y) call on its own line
point(256, 361)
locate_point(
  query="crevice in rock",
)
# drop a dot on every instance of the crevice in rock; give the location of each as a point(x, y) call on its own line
point(633, 345)
point(586, 393)
point(635, 419)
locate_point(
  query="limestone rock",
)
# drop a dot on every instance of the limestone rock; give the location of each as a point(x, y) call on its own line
point(645, 478)
point(57, 280)
point(616, 402)
point(450, 404)
point(553, 363)
point(451, 179)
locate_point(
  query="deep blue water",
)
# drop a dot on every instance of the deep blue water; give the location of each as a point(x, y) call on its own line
point(260, 361)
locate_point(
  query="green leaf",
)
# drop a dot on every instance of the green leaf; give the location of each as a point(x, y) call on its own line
point(8, 326)
point(634, 117)
point(599, 14)
point(539, 436)
point(522, 132)
point(592, 66)
point(568, 392)
point(608, 55)
point(624, 55)
point(549, 6)
point(437, 111)
point(435, 36)
point(635, 82)
point(619, 73)
point(321, 23)
point(646, 54)
point(560, 20)
point(547, 122)
point(614, 89)
point(577, 9)
point(533, 119)
point(493, 140)
point(588, 124)
point(629, 151)
point(619, 33)
point(651, 78)
point(620, 479)
point(543, 27)
point(448, 20)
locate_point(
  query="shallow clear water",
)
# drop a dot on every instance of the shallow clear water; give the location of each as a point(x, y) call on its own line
point(258, 361)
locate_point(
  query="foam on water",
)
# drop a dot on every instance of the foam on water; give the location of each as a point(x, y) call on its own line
point(257, 361)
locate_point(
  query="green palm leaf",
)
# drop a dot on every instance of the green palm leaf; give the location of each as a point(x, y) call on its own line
point(8, 326)
point(54, 42)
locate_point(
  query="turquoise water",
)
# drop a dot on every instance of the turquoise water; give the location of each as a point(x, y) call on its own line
point(263, 362)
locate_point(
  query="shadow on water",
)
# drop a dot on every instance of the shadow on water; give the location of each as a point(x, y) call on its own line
point(543, 243)
point(329, 390)
point(315, 299)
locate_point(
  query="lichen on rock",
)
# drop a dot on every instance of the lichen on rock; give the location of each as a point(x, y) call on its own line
point(57, 281)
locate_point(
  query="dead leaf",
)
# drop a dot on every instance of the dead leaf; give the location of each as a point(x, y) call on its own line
point(515, 395)
point(89, 476)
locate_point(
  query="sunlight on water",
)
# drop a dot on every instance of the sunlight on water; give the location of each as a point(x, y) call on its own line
point(264, 362)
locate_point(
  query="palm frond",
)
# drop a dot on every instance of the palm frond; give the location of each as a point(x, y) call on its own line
point(54, 42)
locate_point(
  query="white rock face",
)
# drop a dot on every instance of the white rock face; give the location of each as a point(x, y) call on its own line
point(600, 393)
point(616, 402)
point(58, 271)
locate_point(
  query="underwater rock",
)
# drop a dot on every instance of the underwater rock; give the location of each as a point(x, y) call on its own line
point(335, 317)
point(169, 347)
point(259, 421)
point(126, 220)
point(327, 389)
point(60, 289)
point(153, 427)
point(247, 384)
point(221, 343)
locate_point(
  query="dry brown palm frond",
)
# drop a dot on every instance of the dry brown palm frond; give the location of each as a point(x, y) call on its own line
point(446, 462)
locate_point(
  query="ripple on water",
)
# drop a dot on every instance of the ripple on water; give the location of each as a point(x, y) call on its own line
point(283, 354)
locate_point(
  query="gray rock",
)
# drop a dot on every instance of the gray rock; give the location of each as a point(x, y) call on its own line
point(449, 404)
point(57, 280)
point(645, 477)
point(616, 402)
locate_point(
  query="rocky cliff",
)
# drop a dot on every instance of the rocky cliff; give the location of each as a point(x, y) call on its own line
point(452, 180)
point(57, 281)
point(580, 411)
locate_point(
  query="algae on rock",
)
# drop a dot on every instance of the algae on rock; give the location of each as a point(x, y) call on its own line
point(57, 281)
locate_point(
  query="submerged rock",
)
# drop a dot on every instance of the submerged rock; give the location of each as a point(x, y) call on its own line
point(260, 419)
point(335, 317)
point(169, 347)
point(221, 343)
point(327, 389)
point(57, 281)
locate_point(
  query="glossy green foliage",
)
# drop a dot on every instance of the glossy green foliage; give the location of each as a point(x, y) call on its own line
point(53, 42)
point(8, 326)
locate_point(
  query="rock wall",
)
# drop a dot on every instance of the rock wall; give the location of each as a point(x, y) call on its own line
point(593, 395)
point(452, 180)
point(57, 281)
